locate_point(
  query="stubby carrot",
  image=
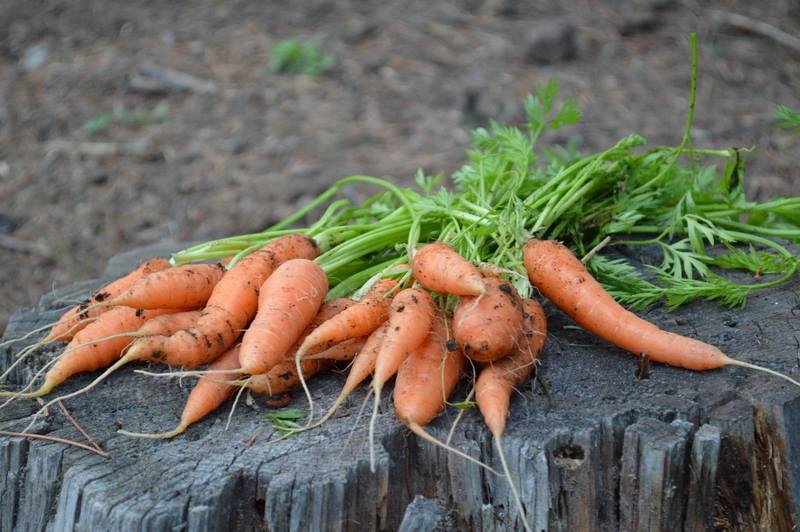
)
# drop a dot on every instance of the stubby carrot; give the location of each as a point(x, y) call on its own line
point(498, 379)
point(289, 300)
point(561, 277)
point(438, 268)
point(184, 287)
point(487, 327)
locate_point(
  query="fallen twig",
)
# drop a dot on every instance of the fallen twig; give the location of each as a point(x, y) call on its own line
point(741, 22)
point(77, 426)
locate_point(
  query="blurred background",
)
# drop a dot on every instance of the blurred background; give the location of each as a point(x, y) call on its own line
point(124, 123)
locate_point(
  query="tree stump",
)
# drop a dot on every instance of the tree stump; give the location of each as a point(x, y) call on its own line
point(604, 451)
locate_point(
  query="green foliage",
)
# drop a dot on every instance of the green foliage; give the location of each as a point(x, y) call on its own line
point(122, 117)
point(788, 119)
point(293, 56)
point(285, 421)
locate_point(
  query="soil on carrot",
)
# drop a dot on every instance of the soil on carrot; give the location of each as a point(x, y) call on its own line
point(104, 148)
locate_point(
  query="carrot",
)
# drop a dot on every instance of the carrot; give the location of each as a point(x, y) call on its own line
point(93, 347)
point(487, 328)
point(207, 395)
point(425, 380)
point(230, 309)
point(498, 379)
point(184, 287)
point(343, 351)
point(70, 322)
point(439, 268)
point(410, 319)
point(289, 300)
point(563, 279)
point(358, 320)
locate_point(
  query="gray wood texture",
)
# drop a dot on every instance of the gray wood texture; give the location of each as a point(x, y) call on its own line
point(606, 451)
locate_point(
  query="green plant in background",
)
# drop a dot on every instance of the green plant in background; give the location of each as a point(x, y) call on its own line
point(124, 118)
point(293, 56)
point(788, 119)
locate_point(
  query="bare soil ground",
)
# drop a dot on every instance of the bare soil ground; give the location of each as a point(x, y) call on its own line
point(411, 80)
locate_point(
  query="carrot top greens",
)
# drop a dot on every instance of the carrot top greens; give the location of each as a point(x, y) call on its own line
point(687, 203)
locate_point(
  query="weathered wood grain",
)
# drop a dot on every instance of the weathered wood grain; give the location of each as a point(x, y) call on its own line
point(605, 451)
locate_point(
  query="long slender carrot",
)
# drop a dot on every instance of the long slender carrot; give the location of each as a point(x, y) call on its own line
point(410, 319)
point(289, 300)
point(229, 310)
point(498, 380)
point(96, 346)
point(439, 268)
point(562, 278)
point(184, 287)
point(487, 327)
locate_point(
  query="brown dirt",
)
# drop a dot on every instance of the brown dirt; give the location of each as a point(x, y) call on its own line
point(410, 82)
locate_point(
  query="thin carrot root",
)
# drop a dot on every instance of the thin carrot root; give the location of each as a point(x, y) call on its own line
point(180, 429)
point(740, 363)
point(419, 431)
point(189, 373)
point(376, 403)
point(514, 492)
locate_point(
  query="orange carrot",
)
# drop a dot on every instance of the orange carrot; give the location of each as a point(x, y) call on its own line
point(93, 348)
point(358, 320)
point(487, 328)
point(424, 382)
point(343, 351)
point(73, 319)
point(184, 287)
point(289, 300)
point(426, 378)
point(563, 279)
point(207, 395)
point(410, 319)
point(437, 267)
point(229, 310)
point(499, 378)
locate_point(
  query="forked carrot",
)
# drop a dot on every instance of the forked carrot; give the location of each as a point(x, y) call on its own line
point(184, 287)
point(425, 380)
point(410, 319)
point(561, 277)
point(487, 328)
point(498, 379)
point(439, 268)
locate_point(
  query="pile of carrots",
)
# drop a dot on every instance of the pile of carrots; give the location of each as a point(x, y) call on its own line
point(417, 285)
point(265, 325)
